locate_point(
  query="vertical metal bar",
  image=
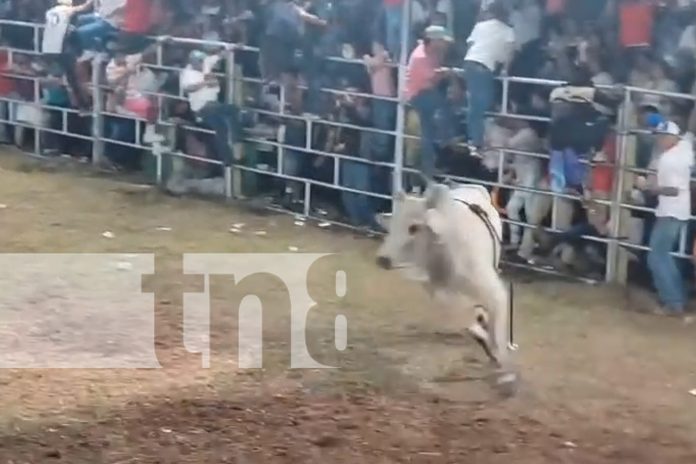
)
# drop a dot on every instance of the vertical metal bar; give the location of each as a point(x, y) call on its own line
point(230, 171)
point(506, 95)
point(307, 198)
point(39, 125)
point(97, 112)
point(612, 257)
point(282, 99)
point(397, 177)
point(160, 53)
point(228, 181)
point(281, 147)
point(337, 171)
point(157, 150)
point(37, 46)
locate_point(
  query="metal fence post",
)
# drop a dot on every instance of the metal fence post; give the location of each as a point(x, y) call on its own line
point(397, 175)
point(229, 170)
point(39, 124)
point(97, 112)
point(612, 274)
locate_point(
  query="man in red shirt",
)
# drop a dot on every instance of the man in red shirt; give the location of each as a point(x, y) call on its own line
point(422, 80)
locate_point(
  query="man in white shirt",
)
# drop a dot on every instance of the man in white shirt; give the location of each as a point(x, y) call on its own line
point(58, 46)
point(672, 186)
point(203, 89)
point(491, 44)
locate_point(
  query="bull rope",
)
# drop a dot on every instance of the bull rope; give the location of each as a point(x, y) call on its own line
point(497, 243)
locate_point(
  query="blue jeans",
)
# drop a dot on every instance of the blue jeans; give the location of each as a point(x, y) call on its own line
point(480, 93)
point(359, 207)
point(93, 32)
point(665, 273)
point(121, 130)
point(427, 104)
point(222, 119)
point(567, 170)
point(392, 14)
point(383, 118)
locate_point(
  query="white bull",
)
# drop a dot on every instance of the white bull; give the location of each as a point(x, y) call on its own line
point(458, 250)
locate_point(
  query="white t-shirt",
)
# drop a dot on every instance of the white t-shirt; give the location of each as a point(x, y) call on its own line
point(190, 76)
point(491, 42)
point(674, 170)
point(528, 169)
point(57, 24)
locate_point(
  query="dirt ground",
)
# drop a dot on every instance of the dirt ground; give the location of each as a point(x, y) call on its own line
point(600, 382)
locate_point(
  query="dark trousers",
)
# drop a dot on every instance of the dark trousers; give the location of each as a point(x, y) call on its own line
point(224, 120)
point(66, 62)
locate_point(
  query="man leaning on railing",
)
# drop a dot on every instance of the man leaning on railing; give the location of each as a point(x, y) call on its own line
point(203, 91)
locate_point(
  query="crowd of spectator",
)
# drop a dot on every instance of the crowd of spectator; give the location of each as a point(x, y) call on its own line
point(455, 49)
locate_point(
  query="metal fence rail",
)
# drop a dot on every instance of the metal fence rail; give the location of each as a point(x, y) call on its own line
point(624, 166)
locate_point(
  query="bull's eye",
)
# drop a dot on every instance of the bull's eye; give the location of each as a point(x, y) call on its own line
point(413, 229)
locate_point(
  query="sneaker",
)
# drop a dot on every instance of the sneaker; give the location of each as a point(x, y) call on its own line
point(667, 311)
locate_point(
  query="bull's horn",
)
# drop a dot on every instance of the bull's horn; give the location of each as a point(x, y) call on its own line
point(427, 180)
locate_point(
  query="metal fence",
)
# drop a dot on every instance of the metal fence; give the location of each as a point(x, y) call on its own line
point(620, 209)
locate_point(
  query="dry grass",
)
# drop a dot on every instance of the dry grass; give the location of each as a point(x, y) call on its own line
point(600, 384)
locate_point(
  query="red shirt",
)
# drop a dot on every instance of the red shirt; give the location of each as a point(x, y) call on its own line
point(603, 174)
point(636, 23)
point(138, 16)
point(420, 72)
point(7, 85)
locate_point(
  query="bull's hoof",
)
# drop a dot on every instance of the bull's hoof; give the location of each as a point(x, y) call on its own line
point(506, 384)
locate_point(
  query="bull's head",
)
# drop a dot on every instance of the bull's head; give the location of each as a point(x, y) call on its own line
point(413, 220)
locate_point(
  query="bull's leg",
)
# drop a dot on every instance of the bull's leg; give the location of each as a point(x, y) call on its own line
point(479, 332)
point(492, 294)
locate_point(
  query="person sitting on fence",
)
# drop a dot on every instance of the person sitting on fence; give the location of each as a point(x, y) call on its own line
point(424, 94)
point(203, 90)
point(94, 30)
point(491, 45)
point(59, 46)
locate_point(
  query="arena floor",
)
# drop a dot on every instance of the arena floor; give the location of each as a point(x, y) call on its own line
point(600, 382)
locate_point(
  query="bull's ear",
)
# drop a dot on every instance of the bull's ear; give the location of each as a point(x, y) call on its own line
point(435, 221)
point(383, 219)
point(436, 195)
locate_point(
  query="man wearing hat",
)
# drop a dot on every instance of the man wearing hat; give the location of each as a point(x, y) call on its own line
point(423, 93)
point(672, 186)
point(203, 89)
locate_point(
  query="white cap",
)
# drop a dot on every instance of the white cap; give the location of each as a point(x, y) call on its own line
point(667, 128)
